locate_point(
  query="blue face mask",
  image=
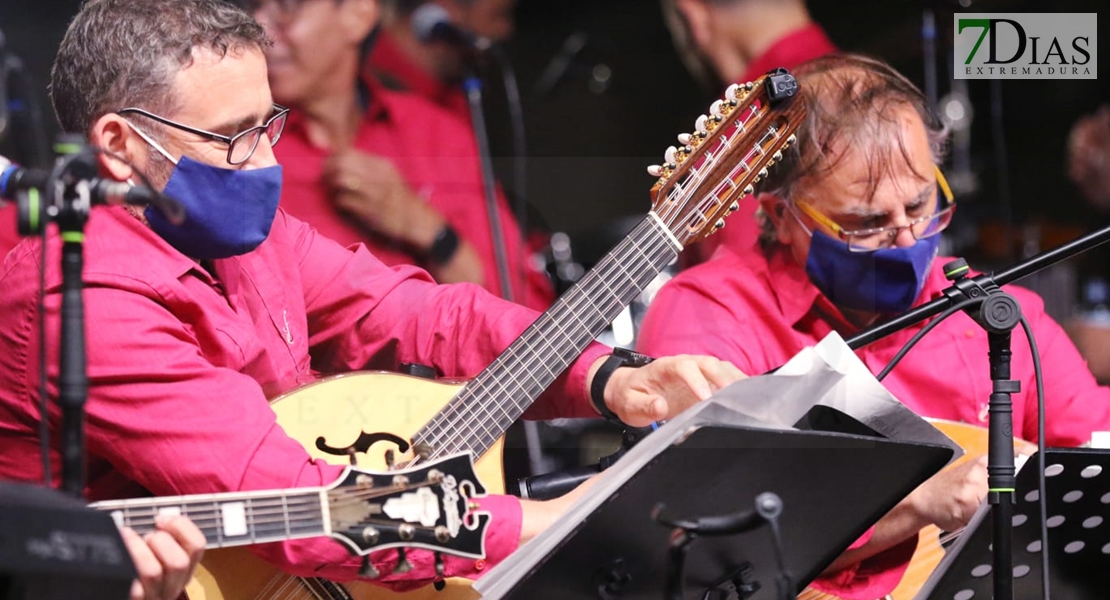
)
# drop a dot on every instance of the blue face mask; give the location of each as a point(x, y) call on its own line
point(228, 212)
point(884, 281)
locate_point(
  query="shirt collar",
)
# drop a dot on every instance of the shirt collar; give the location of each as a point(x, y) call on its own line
point(387, 57)
point(377, 108)
point(792, 49)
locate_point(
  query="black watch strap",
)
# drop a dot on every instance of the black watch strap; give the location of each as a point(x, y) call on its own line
point(621, 357)
point(443, 247)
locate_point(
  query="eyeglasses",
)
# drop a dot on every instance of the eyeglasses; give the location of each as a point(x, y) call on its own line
point(240, 146)
point(878, 238)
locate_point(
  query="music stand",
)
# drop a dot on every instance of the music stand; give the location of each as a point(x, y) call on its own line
point(833, 486)
point(1077, 482)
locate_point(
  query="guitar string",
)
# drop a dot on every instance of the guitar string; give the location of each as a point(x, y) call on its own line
point(667, 215)
point(527, 340)
point(434, 432)
point(437, 431)
point(260, 511)
point(571, 346)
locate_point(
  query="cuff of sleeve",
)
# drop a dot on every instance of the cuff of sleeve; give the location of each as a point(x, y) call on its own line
point(577, 382)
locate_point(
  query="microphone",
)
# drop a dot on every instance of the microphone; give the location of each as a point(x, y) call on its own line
point(430, 23)
point(551, 485)
point(15, 179)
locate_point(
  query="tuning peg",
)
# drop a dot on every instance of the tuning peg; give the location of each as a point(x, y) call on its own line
point(763, 173)
point(716, 109)
point(719, 224)
point(777, 156)
point(735, 206)
point(702, 124)
point(403, 564)
point(790, 140)
point(655, 170)
point(748, 191)
point(733, 92)
point(671, 155)
point(749, 85)
point(685, 139)
point(368, 570)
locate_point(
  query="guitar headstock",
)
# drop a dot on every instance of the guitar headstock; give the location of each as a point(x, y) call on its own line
point(428, 506)
point(729, 151)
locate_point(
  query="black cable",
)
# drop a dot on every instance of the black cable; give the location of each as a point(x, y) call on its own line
point(920, 334)
point(1041, 486)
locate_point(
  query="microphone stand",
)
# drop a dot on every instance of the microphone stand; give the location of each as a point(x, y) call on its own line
point(472, 85)
point(998, 313)
point(71, 186)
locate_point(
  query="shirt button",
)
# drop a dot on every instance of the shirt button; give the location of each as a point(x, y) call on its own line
point(479, 565)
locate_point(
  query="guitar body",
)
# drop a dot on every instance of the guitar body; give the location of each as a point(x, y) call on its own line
point(339, 409)
point(929, 551)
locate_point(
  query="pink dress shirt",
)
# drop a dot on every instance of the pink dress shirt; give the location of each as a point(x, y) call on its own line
point(758, 310)
point(182, 358)
point(437, 156)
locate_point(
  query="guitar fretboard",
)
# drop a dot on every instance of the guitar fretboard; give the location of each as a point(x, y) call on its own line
point(232, 519)
point(483, 411)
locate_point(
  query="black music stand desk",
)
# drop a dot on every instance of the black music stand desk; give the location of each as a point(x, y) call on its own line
point(714, 459)
point(1077, 483)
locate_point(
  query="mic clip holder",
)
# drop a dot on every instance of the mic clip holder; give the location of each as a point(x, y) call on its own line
point(768, 508)
point(998, 313)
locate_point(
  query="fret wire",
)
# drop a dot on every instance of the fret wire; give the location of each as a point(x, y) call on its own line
point(464, 405)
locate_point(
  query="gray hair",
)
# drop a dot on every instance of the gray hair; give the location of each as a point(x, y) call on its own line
point(120, 53)
point(851, 102)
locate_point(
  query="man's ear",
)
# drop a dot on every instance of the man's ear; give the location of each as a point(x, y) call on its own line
point(359, 18)
point(699, 21)
point(115, 136)
point(775, 209)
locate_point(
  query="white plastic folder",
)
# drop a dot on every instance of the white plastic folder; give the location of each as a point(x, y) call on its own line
point(828, 374)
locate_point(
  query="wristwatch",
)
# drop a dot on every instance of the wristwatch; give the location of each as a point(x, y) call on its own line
point(444, 246)
point(621, 357)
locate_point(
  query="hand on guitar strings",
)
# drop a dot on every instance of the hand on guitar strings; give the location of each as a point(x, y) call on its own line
point(164, 560)
point(666, 387)
point(950, 498)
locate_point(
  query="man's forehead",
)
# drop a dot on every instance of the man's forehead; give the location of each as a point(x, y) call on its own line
point(219, 86)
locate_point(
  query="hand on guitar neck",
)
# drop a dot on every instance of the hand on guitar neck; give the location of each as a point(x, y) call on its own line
point(164, 559)
point(947, 500)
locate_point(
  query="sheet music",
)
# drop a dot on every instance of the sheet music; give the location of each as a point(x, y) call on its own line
point(828, 374)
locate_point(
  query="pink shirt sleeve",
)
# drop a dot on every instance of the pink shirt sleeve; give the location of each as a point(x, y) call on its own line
point(363, 314)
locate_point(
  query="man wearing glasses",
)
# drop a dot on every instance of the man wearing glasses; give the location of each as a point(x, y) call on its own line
point(852, 218)
point(192, 326)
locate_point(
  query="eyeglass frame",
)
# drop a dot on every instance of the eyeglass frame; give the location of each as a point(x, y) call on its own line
point(846, 235)
point(282, 113)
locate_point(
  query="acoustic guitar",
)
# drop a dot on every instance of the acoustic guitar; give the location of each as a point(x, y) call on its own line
point(388, 420)
point(931, 541)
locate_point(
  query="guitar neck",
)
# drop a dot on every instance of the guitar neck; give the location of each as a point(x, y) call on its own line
point(483, 411)
point(234, 519)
